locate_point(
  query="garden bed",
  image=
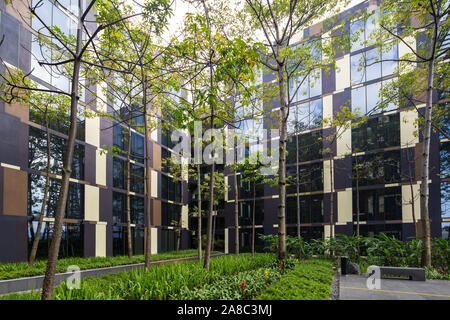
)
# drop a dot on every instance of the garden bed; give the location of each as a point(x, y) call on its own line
point(160, 282)
point(21, 269)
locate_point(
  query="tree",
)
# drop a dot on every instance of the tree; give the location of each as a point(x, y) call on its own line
point(48, 108)
point(280, 21)
point(221, 61)
point(422, 71)
point(133, 46)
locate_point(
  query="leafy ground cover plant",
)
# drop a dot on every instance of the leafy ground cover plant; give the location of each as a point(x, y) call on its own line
point(309, 280)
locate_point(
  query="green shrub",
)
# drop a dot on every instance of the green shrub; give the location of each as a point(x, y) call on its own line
point(310, 280)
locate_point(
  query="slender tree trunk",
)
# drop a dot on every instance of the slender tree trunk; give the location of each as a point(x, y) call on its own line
point(411, 189)
point(49, 278)
point(236, 208)
point(282, 253)
point(128, 202)
point(37, 235)
point(148, 191)
point(213, 232)
point(331, 197)
point(199, 205)
point(424, 188)
point(253, 220)
point(211, 181)
point(357, 198)
point(179, 234)
point(297, 182)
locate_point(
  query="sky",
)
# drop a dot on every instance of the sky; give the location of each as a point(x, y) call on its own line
point(181, 7)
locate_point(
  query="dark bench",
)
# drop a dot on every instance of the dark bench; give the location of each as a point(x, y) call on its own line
point(415, 274)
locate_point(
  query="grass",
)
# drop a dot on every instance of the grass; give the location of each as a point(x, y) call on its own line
point(21, 269)
point(310, 280)
point(157, 283)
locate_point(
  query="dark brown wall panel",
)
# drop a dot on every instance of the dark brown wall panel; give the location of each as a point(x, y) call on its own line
point(15, 187)
point(156, 212)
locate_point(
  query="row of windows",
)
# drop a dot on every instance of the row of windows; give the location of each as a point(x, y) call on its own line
point(120, 140)
point(310, 147)
point(120, 240)
point(170, 214)
point(377, 133)
point(310, 178)
point(36, 187)
point(37, 154)
point(246, 213)
point(171, 189)
point(377, 168)
point(245, 188)
point(305, 116)
point(137, 214)
point(120, 176)
point(311, 209)
point(63, 15)
point(379, 204)
point(59, 120)
point(373, 64)
point(71, 239)
point(367, 99)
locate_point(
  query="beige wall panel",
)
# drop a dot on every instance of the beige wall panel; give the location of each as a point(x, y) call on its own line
point(185, 216)
point(15, 189)
point(326, 176)
point(93, 131)
point(408, 128)
point(328, 107)
point(407, 215)
point(156, 157)
point(100, 168)
point(326, 231)
point(91, 203)
point(343, 73)
point(101, 94)
point(100, 239)
point(345, 206)
point(344, 142)
point(154, 184)
point(154, 240)
point(403, 49)
point(226, 241)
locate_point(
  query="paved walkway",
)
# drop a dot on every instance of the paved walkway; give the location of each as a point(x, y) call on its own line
point(353, 287)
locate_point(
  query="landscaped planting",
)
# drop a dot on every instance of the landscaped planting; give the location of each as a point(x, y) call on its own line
point(309, 280)
point(244, 285)
point(159, 282)
point(380, 250)
point(20, 270)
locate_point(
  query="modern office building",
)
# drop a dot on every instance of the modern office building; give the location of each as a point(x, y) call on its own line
point(386, 146)
point(95, 219)
point(95, 223)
